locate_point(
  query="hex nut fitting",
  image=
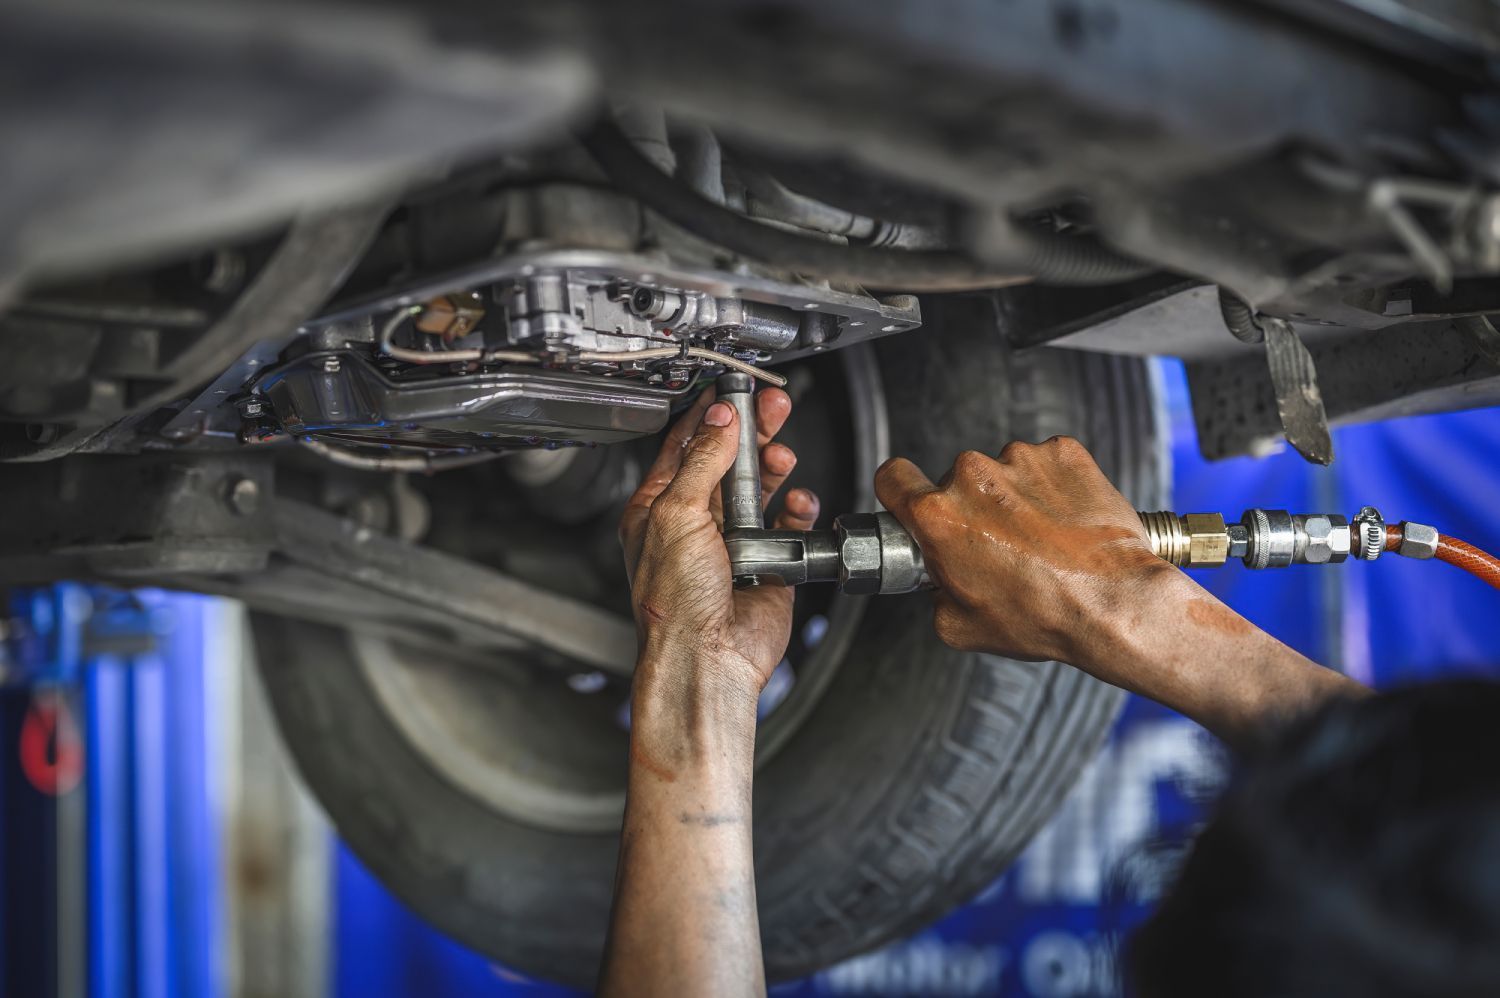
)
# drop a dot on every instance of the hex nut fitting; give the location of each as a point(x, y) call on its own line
point(1208, 540)
point(859, 553)
point(1191, 541)
point(1327, 539)
point(902, 568)
point(1418, 540)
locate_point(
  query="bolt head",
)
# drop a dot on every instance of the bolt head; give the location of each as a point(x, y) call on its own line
point(1327, 540)
point(331, 365)
point(244, 496)
point(1418, 540)
point(859, 553)
point(1208, 539)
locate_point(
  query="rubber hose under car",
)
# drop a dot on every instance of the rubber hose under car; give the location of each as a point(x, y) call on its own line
point(1476, 561)
point(1239, 317)
point(1046, 257)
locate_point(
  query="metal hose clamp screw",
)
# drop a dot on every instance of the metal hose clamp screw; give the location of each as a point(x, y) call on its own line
point(1369, 533)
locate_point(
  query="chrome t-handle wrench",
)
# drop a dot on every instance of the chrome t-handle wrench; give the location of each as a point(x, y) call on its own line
point(864, 552)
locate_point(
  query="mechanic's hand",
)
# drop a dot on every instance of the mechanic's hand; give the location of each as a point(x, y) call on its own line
point(687, 612)
point(1035, 554)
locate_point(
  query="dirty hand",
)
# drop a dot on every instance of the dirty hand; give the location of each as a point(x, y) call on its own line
point(1035, 554)
point(696, 631)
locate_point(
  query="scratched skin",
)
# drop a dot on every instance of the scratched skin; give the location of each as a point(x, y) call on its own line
point(1037, 556)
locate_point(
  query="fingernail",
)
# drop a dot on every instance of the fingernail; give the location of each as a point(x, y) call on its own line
point(718, 414)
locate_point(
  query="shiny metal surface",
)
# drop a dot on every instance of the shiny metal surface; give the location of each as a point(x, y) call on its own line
point(856, 317)
point(858, 541)
point(865, 553)
point(1368, 534)
point(1273, 538)
point(1322, 538)
point(791, 557)
point(537, 405)
point(1165, 534)
point(1195, 540)
point(741, 485)
point(902, 569)
point(1418, 540)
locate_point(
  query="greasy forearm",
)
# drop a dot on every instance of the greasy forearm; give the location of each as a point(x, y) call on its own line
point(684, 920)
point(1181, 647)
point(1037, 556)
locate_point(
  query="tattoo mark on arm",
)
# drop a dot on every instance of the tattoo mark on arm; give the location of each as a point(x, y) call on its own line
point(708, 820)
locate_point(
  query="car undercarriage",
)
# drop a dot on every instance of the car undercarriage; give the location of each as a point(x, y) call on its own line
point(367, 317)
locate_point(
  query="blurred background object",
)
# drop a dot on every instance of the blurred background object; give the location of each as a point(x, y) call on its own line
point(157, 842)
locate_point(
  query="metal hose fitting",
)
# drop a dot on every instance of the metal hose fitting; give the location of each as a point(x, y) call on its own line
point(1274, 538)
point(1197, 540)
point(1167, 536)
point(1264, 538)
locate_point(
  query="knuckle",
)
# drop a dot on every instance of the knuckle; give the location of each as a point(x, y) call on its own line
point(971, 463)
point(1017, 450)
point(1067, 447)
point(929, 505)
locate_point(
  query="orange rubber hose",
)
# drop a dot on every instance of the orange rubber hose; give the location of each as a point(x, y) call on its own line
point(1478, 563)
point(1469, 558)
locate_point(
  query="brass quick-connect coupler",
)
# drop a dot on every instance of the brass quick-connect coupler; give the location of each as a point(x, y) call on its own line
point(1264, 538)
point(1197, 540)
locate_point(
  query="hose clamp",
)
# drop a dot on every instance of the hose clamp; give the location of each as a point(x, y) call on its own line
point(1368, 533)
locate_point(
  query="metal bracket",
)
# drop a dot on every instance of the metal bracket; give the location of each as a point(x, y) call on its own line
point(1298, 400)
